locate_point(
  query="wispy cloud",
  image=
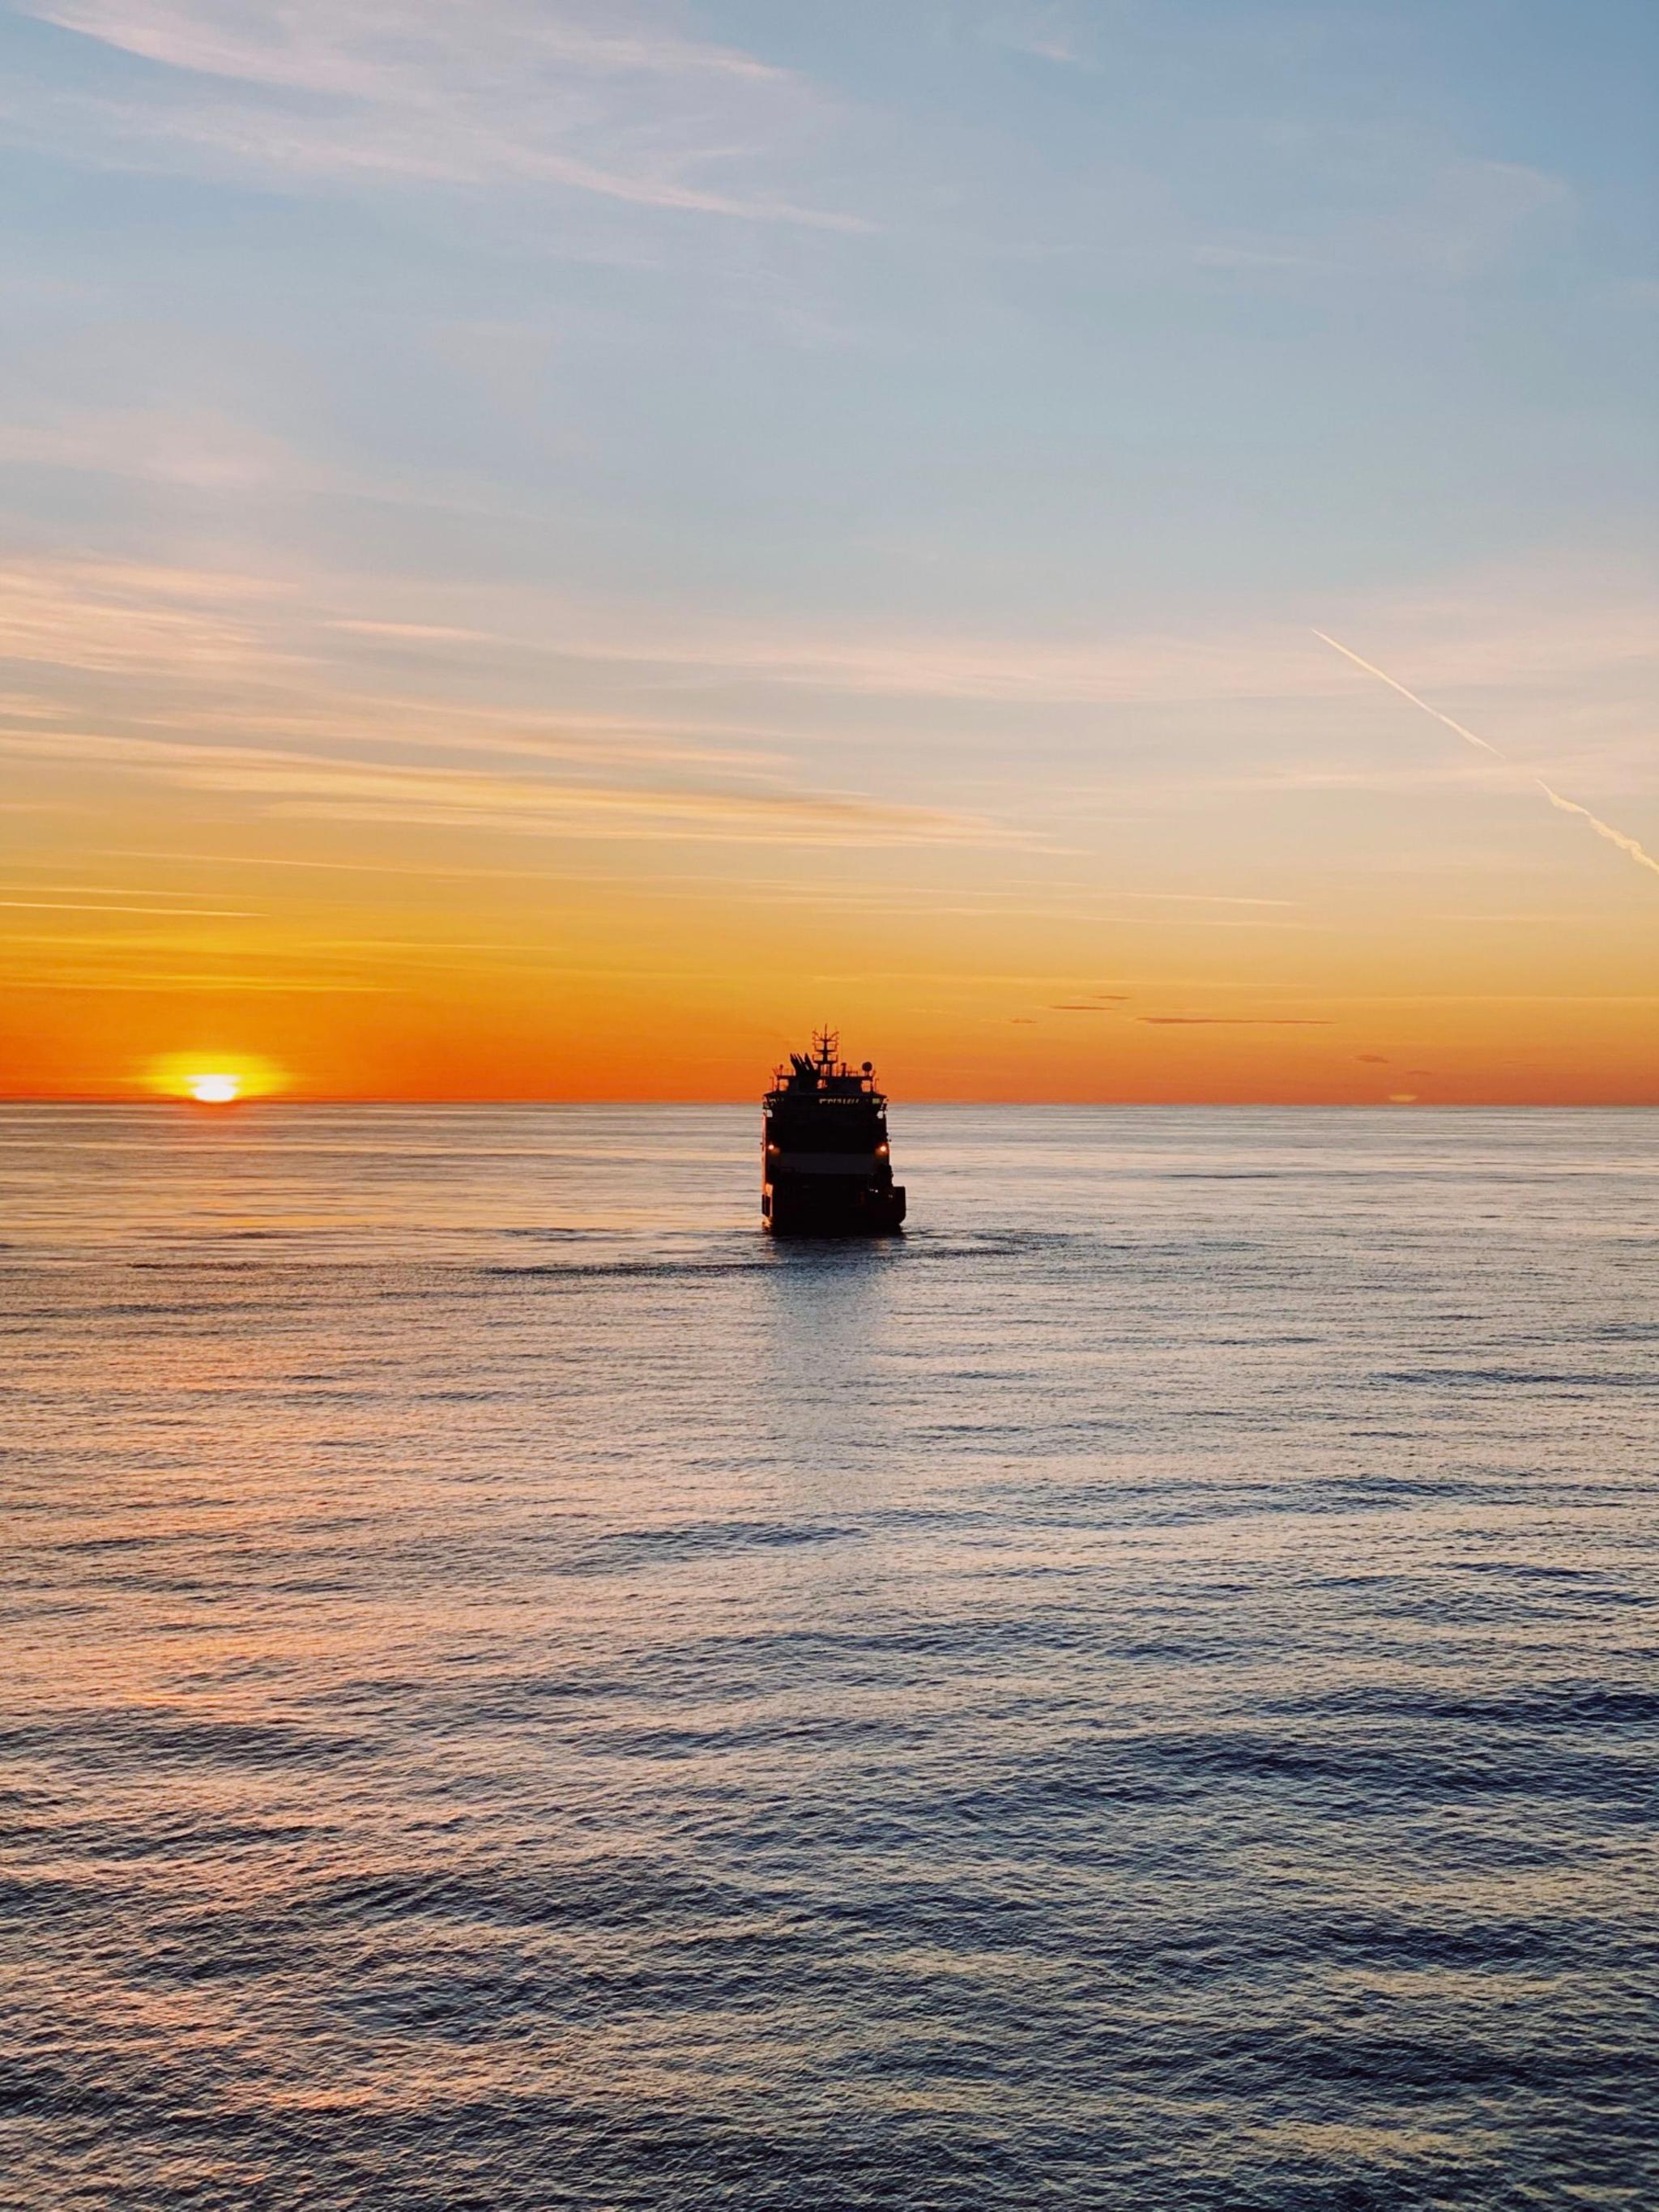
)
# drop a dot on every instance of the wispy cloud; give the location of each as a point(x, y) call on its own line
point(313, 786)
point(602, 100)
point(199, 451)
point(414, 633)
point(109, 906)
point(355, 719)
point(1047, 30)
point(115, 616)
point(226, 984)
point(1205, 898)
point(121, 618)
point(274, 689)
point(381, 44)
point(1501, 630)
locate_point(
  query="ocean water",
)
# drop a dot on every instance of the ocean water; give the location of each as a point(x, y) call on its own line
point(520, 1692)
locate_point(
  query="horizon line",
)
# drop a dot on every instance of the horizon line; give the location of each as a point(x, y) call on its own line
point(235, 1110)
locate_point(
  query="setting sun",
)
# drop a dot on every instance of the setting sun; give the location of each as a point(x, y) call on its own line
point(208, 1077)
point(215, 1089)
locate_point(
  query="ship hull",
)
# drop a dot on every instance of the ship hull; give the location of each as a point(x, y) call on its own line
point(827, 1206)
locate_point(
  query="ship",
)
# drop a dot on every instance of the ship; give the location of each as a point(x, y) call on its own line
point(825, 1167)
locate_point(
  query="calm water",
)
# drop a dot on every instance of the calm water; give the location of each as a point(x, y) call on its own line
point(521, 1693)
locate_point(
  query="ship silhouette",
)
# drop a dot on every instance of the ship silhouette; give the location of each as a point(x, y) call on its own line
point(825, 1167)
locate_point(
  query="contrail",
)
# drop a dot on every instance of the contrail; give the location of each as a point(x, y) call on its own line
point(1563, 804)
point(1602, 829)
point(1384, 677)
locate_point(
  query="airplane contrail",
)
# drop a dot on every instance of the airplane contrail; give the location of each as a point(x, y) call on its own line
point(1556, 798)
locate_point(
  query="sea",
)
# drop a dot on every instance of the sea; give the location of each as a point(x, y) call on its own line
point(518, 1690)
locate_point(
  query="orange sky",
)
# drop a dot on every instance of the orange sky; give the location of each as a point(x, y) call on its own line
point(543, 564)
point(1462, 944)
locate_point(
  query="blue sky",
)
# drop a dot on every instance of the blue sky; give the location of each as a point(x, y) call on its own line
point(958, 409)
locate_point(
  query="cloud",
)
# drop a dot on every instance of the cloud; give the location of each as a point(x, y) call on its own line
point(229, 985)
point(435, 725)
point(106, 906)
point(1514, 634)
point(112, 617)
point(314, 785)
point(379, 46)
point(1501, 999)
point(130, 618)
point(202, 451)
point(946, 666)
point(1205, 898)
point(100, 890)
point(414, 633)
point(1044, 29)
point(1233, 1021)
point(1506, 630)
point(597, 99)
point(277, 686)
point(245, 662)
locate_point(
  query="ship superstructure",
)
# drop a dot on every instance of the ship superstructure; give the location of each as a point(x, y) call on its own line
point(825, 1169)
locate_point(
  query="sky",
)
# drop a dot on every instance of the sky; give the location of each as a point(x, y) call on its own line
point(549, 548)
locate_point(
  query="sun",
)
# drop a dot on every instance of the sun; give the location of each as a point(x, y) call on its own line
point(215, 1089)
point(216, 1073)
